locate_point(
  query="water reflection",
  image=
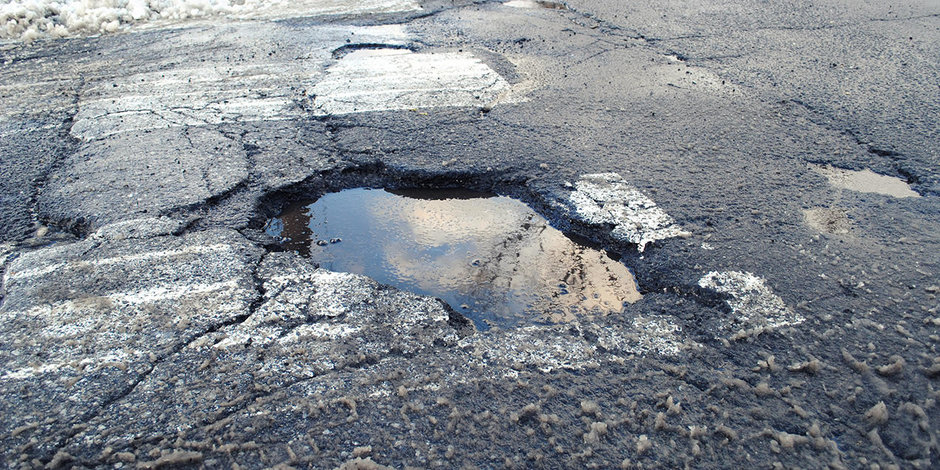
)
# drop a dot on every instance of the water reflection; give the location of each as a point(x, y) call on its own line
point(491, 258)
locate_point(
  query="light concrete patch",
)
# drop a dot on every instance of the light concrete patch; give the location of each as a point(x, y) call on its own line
point(606, 199)
point(394, 79)
point(865, 181)
point(752, 302)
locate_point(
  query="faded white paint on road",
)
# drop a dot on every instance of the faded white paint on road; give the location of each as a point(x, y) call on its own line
point(184, 97)
point(393, 79)
point(161, 255)
point(606, 199)
point(206, 93)
point(752, 302)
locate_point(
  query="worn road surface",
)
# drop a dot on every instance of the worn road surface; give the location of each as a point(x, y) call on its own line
point(768, 170)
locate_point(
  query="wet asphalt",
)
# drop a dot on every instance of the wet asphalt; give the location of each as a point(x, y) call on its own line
point(148, 320)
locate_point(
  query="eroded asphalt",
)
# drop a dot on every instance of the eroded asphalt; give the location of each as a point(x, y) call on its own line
point(789, 319)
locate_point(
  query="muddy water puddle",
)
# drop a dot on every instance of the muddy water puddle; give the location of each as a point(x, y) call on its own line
point(491, 258)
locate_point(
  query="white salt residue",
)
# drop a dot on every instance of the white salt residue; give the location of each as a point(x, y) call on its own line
point(31, 19)
point(605, 198)
point(394, 79)
point(752, 302)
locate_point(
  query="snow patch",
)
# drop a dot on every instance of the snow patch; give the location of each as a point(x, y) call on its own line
point(31, 19)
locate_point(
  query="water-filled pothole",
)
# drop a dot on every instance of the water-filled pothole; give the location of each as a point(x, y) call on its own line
point(491, 258)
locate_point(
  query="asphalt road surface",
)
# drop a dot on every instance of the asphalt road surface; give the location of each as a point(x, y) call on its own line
point(768, 171)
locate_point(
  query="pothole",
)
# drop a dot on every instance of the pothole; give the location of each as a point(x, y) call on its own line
point(833, 221)
point(492, 258)
point(865, 181)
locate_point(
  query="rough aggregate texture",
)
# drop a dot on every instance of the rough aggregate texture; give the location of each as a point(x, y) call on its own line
point(786, 321)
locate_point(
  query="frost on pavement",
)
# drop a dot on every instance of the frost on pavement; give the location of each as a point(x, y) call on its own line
point(752, 302)
point(606, 199)
point(31, 19)
point(395, 79)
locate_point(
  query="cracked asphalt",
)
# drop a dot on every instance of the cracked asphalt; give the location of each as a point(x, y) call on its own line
point(724, 149)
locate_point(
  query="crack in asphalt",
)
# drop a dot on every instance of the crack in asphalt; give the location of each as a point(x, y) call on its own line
point(653, 43)
point(895, 158)
point(176, 349)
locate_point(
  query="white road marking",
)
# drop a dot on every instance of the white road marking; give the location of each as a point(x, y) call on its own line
point(394, 79)
point(752, 301)
point(219, 92)
point(113, 301)
point(12, 273)
point(116, 356)
point(605, 198)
